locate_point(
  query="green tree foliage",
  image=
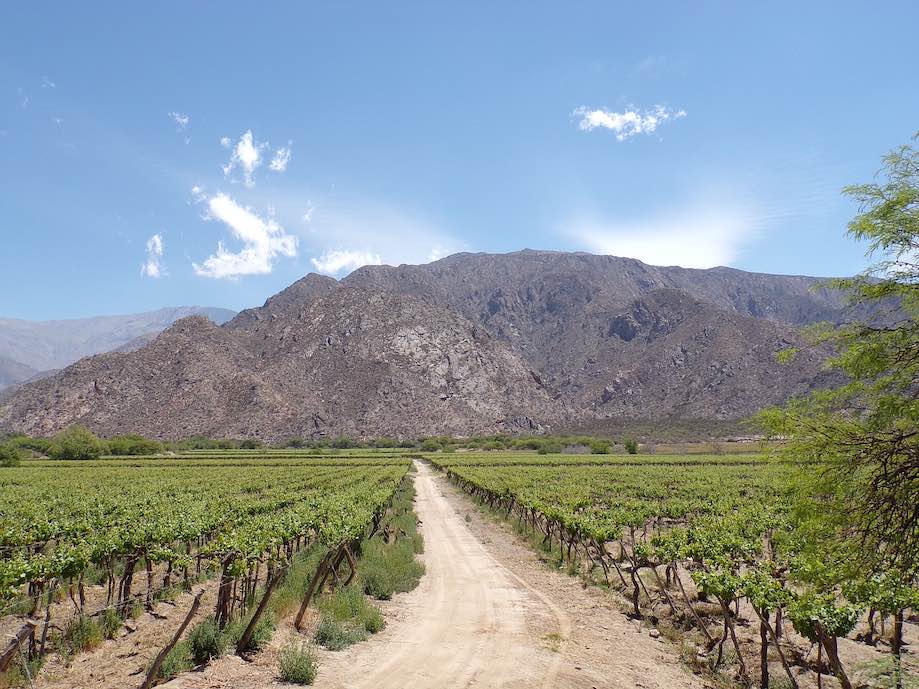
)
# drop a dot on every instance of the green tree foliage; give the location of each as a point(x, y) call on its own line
point(430, 445)
point(860, 442)
point(76, 442)
point(10, 456)
point(133, 445)
point(631, 446)
point(599, 447)
point(24, 442)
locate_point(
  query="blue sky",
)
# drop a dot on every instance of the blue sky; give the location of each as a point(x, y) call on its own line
point(209, 153)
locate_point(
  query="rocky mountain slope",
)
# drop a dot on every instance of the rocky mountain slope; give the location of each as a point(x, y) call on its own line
point(618, 338)
point(474, 343)
point(34, 347)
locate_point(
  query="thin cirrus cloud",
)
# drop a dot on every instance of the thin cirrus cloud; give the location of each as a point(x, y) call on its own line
point(263, 240)
point(281, 159)
point(181, 120)
point(152, 266)
point(628, 123)
point(694, 237)
point(341, 261)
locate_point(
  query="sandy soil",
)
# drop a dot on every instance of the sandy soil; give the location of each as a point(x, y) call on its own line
point(486, 614)
point(123, 661)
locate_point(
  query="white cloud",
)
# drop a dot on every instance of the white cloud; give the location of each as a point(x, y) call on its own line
point(389, 235)
point(225, 141)
point(437, 253)
point(628, 123)
point(152, 268)
point(46, 83)
point(308, 213)
point(247, 155)
point(180, 120)
point(341, 261)
point(263, 240)
point(281, 159)
point(696, 237)
point(57, 120)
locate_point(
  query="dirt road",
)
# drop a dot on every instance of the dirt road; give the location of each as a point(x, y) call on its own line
point(464, 626)
point(486, 614)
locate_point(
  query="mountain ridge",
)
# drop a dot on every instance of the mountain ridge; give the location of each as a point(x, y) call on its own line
point(470, 344)
point(42, 347)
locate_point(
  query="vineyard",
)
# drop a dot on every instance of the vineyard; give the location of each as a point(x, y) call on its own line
point(708, 549)
point(99, 541)
point(712, 543)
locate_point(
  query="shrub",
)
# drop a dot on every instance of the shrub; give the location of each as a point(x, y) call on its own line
point(348, 604)
point(205, 641)
point(133, 445)
point(384, 442)
point(76, 442)
point(343, 443)
point(549, 449)
point(10, 456)
point(261, 635)
point(528, 444)
point(389, 569)
point(136, 610)
point(197, 442)
point(430, 445)
point(631, 446)
point(83, 634)
point(298, 663)
point(178, 660)
point(250, 444)
point(336, 635)
point(295, 443)
point(21, 674)
point(289, 593)
point(599, 447)
point(110, 622)
point(24, 442)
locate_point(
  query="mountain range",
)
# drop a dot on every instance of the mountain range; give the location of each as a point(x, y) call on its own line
point(30, 349)
point(524, 342)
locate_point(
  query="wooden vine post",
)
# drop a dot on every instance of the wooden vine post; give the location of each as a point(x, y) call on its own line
point(250, 628)
point(319, 574)
point(15, 642)
point(155, 668)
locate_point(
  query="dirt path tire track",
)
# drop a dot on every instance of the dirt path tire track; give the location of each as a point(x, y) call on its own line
point(464, 626)
point(562, 619)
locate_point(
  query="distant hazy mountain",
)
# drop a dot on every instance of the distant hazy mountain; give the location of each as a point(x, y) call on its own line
point(28, 348)
point(12, 372)
point(470, 344)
